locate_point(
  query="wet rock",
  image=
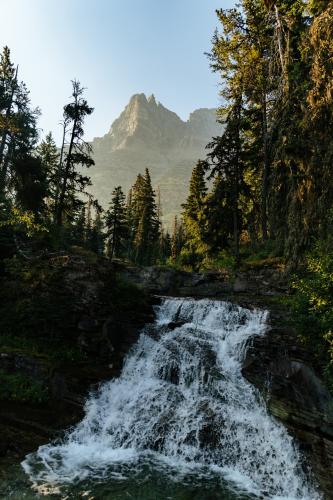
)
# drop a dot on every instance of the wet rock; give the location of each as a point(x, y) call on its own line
point(87, 324)
point(282, 370)
point(34, 368)
point(240, 285)
point(4, 446)
point(175, 324)
point(170, 373)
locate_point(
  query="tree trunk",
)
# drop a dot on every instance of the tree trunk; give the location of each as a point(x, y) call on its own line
point(56, 196)
point(62, 195)
point(266, 169)
point(236, 182)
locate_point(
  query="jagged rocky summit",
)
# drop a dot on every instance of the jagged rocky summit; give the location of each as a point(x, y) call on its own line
point(147, 134)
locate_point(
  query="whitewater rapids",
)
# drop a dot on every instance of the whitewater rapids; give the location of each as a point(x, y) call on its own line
point(181, 404)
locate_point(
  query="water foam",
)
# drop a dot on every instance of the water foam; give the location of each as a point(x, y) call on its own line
point(181, 402)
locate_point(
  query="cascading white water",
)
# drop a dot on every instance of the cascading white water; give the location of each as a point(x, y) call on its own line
point(182, 401)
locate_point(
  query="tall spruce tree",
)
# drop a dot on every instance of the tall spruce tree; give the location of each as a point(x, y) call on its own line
point(177, 239)
point(96, 235)
point(197, 192)
point(147, 231)
point(194, 216)
point(116, 223)
point(228, 166)
point(145, 224)
point(18, 127)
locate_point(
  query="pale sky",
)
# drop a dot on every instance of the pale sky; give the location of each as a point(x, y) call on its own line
point(116, 48)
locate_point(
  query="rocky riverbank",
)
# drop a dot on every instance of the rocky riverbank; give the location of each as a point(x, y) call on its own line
point(52, 371)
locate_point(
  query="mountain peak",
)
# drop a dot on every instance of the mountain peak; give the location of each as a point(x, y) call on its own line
point(151, 99)
point(147, 134)
point(146, 125)
point(138, 98)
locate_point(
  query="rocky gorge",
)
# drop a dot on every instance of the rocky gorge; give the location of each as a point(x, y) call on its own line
point(276, 363)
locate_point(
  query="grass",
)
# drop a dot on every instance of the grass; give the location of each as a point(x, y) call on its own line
point(20, 388)
point(40, 348)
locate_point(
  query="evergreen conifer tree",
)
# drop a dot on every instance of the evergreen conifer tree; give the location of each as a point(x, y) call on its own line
point(146, 225)
point(117, 224)
point(96, 237)
point(48, 154)
point(78, 154)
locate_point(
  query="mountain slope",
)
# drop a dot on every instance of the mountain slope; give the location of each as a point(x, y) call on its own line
point(147, 134)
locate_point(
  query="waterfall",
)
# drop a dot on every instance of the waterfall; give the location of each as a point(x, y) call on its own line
point(182, 404)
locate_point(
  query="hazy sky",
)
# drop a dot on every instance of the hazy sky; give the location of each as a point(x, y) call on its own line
point(116, 48)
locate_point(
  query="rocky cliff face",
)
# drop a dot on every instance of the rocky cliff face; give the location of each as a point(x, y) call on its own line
point(147, 134)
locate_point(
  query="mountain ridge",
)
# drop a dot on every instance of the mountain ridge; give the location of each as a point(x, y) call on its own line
point(148, 135)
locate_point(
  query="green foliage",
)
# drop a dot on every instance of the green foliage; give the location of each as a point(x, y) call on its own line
point(143, 221)
point(19, 387)
point(34, 301)
point(272, 165)
point(313, 306)
point(117, 226)
point(264, 251)
point(75, 154)
point(22, 221)
point(222, 261)
point(45, 349)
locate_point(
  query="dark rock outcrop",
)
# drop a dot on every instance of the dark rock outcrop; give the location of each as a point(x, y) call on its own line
point(296, 395)
point(100, 329)
point(264, 282)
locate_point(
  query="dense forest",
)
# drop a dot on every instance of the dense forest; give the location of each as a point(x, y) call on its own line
point(264, 191)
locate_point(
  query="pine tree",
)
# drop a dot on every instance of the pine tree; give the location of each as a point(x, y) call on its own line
point(228, 165)
point(79, 232)
point(96, 237)
point(145, 222)
point(219, 216)
point(48, 154)
point(245, 56)
point(18, 126)
point(117, 224)
point(165, 246)
point(195, 248)
point(197, 192)
point(147, 233)
point(77, 154)
point(177, 239)
point(8, 88)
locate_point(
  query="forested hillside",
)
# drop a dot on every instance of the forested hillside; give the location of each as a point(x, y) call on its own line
point(272, 167)
point(263, 191)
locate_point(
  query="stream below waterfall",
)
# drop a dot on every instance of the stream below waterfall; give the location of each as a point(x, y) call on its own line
point(180, 422)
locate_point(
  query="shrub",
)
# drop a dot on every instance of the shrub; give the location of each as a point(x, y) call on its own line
point(18, 387)
point(313, 307)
